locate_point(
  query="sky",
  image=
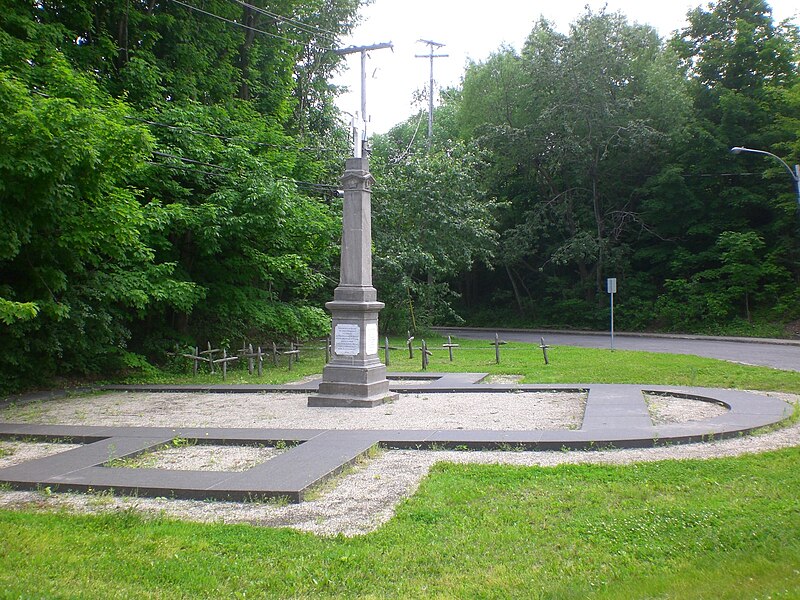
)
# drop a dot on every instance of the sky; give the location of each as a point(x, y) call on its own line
point(470, 30)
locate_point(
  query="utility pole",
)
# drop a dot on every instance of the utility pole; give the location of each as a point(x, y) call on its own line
point(360, 122)
point(431, 56)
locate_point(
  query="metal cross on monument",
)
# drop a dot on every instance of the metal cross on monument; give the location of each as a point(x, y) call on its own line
point(355, 375)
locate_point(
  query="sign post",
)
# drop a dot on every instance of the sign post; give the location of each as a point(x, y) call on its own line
point(611, 288)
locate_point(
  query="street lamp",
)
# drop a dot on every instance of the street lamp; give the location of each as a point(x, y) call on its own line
point(795, 175)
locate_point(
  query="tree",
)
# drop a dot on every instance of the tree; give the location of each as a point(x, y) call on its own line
point(74, 260)
point(593, 114)
point(161, 176)
point(741, 67)
point(432, 220)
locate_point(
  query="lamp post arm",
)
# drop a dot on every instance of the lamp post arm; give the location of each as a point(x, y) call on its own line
point(794, 175)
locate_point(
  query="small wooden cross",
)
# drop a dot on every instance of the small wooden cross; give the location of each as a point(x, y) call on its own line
point(544, 348)
point(450, 345)
point(225, 360)
point(497, 343)
point(425, 354)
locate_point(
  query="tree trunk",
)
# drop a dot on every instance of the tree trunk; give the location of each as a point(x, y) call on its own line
point(248, 18)
point(747, 306)
point(598, 217)
point(122, 37)
point(515, 288)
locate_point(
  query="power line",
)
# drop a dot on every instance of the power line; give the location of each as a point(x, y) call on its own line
point(183, 159)
point(227, 138)
point(291, 21)
point(403, 156)
point(718, 174)
point(242, 25)
point(191, 161)
point(180, 168)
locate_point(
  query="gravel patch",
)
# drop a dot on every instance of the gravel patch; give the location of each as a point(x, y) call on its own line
point(364, 498)
point(16, 452)
point(500, 411)
point(206, 457)
point(665, 410)
point(503, 379)
point(408, 382)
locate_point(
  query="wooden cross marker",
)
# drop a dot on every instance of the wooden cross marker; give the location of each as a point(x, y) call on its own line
point(497, 343)
point(274, 354)
point(211, 351)
point(544, 348)
point(196, 358)
point(386, 348)
point(225, 360)
point(292, 352)
point(425, 354)
point(450, 345)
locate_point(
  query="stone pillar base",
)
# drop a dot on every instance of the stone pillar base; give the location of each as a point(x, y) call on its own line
point(353, 386)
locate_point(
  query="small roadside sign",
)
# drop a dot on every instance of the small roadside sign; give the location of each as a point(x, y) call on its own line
point(611, 287)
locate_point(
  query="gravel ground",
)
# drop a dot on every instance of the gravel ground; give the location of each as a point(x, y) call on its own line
point(209, 457)
point(365, 497)
point(289, 410)
point(671, 409)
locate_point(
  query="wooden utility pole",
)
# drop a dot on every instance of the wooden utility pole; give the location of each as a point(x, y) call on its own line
point(431, 56)
point(360, 121)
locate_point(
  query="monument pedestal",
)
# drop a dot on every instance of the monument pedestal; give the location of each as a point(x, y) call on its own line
point(355, 376)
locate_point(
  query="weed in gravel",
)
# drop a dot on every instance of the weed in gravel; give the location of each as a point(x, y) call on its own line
point(180, 442)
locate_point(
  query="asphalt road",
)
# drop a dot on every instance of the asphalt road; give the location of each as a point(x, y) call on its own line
point(778, 354)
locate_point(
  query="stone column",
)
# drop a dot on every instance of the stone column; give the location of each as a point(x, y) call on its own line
point(355, 375)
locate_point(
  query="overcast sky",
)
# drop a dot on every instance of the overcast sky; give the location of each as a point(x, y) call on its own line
point(470, 30)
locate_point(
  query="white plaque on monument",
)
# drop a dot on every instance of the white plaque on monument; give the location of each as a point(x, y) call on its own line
point(348, 339)
point(372, 338)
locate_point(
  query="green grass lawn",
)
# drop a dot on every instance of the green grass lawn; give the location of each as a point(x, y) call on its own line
point(724, 528)
point(721, 528)
point(567, 365)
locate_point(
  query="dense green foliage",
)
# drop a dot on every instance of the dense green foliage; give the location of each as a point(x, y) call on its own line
point(157, 177)
point(433, 219)
point(608, 152)
point(724, 528)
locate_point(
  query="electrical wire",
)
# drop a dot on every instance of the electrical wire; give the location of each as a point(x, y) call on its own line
point(219, 168)
point(403, 156)
point(242, 25)
point(180, 168)
point(191, 161)
point(314, 29)
point(229, 138)
point(718, 174)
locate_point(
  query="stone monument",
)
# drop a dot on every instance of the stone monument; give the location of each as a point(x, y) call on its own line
point(355, 376)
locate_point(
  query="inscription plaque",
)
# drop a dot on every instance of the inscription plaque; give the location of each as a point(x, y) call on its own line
point(347, 339)
point(372, 338)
